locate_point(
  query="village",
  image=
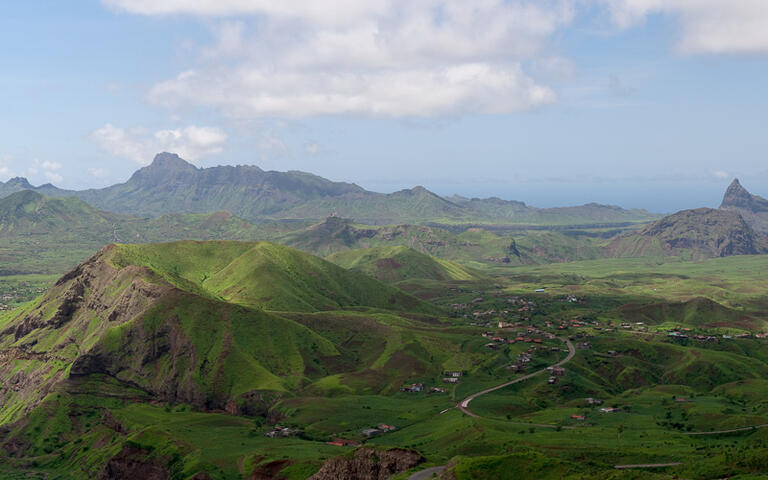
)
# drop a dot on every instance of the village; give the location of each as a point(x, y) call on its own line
point(13, 294)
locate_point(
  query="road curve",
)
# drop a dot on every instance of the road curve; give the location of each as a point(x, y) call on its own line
point(427, 473)
point(464, 404)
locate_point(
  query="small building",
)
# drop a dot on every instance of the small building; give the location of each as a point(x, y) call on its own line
point(552, 380)
point(609, 410)
point(594, 401)
point(343, 442)
point(371, 432)
point(453, 374)
point(451, 380)
point(386, 428)
point(578, 417)
point(413, 388)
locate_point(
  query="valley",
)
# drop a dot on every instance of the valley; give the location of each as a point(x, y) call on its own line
point(201, 345)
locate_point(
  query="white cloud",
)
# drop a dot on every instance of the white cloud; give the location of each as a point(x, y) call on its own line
point(141, 145)
point(390, 58)
point(721, 174)
point(707, 26)
point(51, 166)
point(100, 173)
point(270, 145)
point(4, 170)
point(53, 177)
point(313, 149)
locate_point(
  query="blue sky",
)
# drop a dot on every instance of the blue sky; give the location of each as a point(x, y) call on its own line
point(640, 103)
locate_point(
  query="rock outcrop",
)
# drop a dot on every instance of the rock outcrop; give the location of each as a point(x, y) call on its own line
point(699, 233)
point(368, 464)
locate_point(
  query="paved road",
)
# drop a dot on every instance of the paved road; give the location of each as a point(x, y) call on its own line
point(648, 465)
point(464, 404)
point(427, 473)
point(742, 429)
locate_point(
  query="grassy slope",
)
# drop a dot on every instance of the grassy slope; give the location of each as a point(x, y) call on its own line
point(266, 275)
point(394, 264)
point(724, 380)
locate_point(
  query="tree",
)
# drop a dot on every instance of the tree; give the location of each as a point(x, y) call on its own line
point(619, 431)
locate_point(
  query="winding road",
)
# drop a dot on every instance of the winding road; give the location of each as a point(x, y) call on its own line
point(464, 404)
point(732, 430)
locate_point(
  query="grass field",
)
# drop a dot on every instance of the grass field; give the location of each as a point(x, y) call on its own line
point(658, 341)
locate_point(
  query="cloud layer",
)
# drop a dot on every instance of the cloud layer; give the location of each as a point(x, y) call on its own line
point(141, 145)
point(386, 58)
point(707, 26)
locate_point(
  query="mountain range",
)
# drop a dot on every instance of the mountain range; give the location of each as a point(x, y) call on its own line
point(172, 185)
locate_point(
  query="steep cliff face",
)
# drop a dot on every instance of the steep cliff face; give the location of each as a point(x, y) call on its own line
point(134, 463)
point(368, 464)
point(700, 233)
point(753, 208)
point(736, 196)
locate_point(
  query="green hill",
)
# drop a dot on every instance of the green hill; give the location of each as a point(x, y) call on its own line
point(697, 312)
point(41, 234)
point(264, 275)
point(395, 264)
point(474, 247)
point(187, 322)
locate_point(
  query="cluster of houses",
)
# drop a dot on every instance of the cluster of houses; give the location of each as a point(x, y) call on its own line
point(554, 374)
point(524, 308)
point(281, 432)
point(380, 428)
point(419, 387)
point(22, 294)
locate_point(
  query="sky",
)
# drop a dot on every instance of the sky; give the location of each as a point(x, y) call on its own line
point(654, 104)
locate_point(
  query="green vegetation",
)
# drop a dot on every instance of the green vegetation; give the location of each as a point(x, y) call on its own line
point(240, 359)
point(395, 264)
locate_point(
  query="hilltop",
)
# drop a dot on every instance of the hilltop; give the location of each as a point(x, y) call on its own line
point(172, 185)
point(753, 208)
point(699, 233)
point(399, 263)
point(264, 275)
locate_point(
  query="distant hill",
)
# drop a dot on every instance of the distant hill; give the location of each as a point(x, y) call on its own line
point(41, 234)
point(396, 264)
point(697, 312)
point(753, 208)
point(171, 185)
point(471, 246)
point(516, 212)
point(698, 233)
